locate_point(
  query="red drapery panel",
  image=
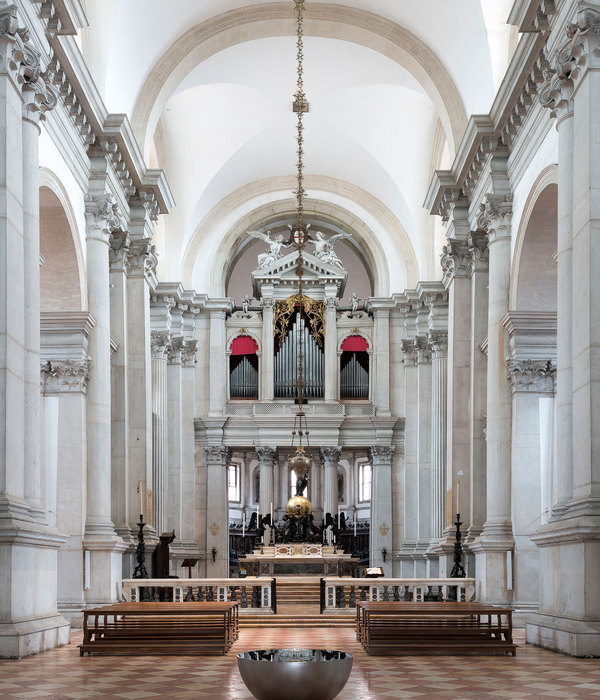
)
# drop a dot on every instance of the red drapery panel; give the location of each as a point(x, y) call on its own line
point(244, 345)
point(355, 343)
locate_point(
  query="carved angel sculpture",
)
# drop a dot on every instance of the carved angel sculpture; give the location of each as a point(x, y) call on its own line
point(324, 248)
point(275, 244)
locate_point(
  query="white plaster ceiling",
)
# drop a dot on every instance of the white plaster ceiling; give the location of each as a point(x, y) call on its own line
point(228, 123)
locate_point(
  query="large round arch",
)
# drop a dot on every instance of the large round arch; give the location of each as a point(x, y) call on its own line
point(321, 20)
point(533, 279)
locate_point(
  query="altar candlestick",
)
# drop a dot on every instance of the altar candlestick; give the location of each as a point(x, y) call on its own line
point(141, 492)
point(243, 524)
point(458, 496)
point(354, 523)
point(272, 513)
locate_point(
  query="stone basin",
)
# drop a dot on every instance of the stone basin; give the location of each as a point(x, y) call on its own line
point(295, 674)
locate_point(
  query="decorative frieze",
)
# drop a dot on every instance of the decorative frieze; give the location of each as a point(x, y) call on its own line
point(454, 261)
point(531, 375)
point(65, 376)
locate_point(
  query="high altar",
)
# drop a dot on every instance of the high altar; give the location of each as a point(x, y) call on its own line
point(298, 559)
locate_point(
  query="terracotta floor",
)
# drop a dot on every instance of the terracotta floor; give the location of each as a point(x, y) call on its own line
point(533, 673)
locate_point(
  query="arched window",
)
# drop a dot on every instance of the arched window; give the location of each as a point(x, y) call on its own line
point(354, 368)
point(243, 368)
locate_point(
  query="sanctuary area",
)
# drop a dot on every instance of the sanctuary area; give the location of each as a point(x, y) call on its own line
point(292, 290)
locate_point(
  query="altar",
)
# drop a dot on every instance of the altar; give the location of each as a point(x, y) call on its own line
point(297, 559)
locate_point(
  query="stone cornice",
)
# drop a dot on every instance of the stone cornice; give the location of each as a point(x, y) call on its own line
point(531, 15)
point(178, 295)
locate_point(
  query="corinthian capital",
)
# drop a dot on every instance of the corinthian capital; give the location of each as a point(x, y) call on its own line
point(411, 353)
point(584, 35)
point(65, 376)
point(331, 455)
point(266, 455)
point(101, 216)
point(556, 93)
point(216, 455)
point(438, 341)
point(159, 344)
point(454, 260)
point(381, 455)
point(188, 353)
point(531, 375)
point(141, 258)
point(479, 252)
point(496, 217)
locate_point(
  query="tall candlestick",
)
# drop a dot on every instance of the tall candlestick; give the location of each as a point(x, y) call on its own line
point(458, 496)
point(272, 521)
point(141, 492)
point(354, 523)
point(243, 524)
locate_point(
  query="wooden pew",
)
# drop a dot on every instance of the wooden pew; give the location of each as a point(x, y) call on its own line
point(404, 628)
point(139, 629)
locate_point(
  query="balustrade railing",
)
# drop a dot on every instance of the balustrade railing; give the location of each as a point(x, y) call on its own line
point(251, 592)
point(344, 593)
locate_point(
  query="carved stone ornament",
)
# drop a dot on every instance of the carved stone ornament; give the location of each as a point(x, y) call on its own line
point(454, 260)
point(479, 252)
point(411, 354)
point(438, 341)
point(216, 454)
point(496, 216)
point(101, 216)
point(188, 353)
point(423, 350)
point(584, 35)
point(159, 344)
point(174, 350)
point(531, 375)
point(556, 93)
point(381, 455)
point(21, 61)
point(65, 376)
point(141, 258)
point(331, 455)
point(266, 455)
point(117, 253)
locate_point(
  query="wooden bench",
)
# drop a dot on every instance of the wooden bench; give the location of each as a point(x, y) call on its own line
point(402, 628)
point(138, 629)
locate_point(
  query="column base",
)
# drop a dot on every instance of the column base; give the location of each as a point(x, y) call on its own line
point(105, 569)
point(493, 565)
point(27, 637)
point(573, 637)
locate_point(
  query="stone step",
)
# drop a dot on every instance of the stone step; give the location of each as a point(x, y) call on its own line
point(262, 621)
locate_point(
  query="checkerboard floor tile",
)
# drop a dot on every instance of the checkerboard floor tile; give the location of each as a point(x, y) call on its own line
point(534, 674)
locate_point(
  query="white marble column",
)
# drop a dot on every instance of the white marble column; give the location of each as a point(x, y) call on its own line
point(331, 356)
point(217, 533)
point(380, 537)
point(557, 95)
point(411, 468)
point(100, 535)
point(266, 458)
point(496, 540)
point(381, 353)
point(268, 349)
point(174, 510)
point(188, 467)
point(218, 356)
point(455, 278)
point(159, 488)
point(478, 271)
point(331, 457)
point(424, 424)
point(439, 347)
point(38, 98)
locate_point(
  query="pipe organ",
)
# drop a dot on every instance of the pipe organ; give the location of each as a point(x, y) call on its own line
point(286, 362)
point(243, 383)
point(354, 375)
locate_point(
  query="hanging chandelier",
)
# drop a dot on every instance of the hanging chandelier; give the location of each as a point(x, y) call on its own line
point(299, 506)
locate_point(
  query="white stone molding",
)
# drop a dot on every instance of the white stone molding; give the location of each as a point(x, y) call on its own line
point(188, 353)
point(410, 351)
point(101, 217)
point(531, 375)
point(454, 260)
point(438, 342)
point(496, 217)
point(174, 349)
point(65, 376)
point(479, 252)
point(159, 344)
point(216, 455)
